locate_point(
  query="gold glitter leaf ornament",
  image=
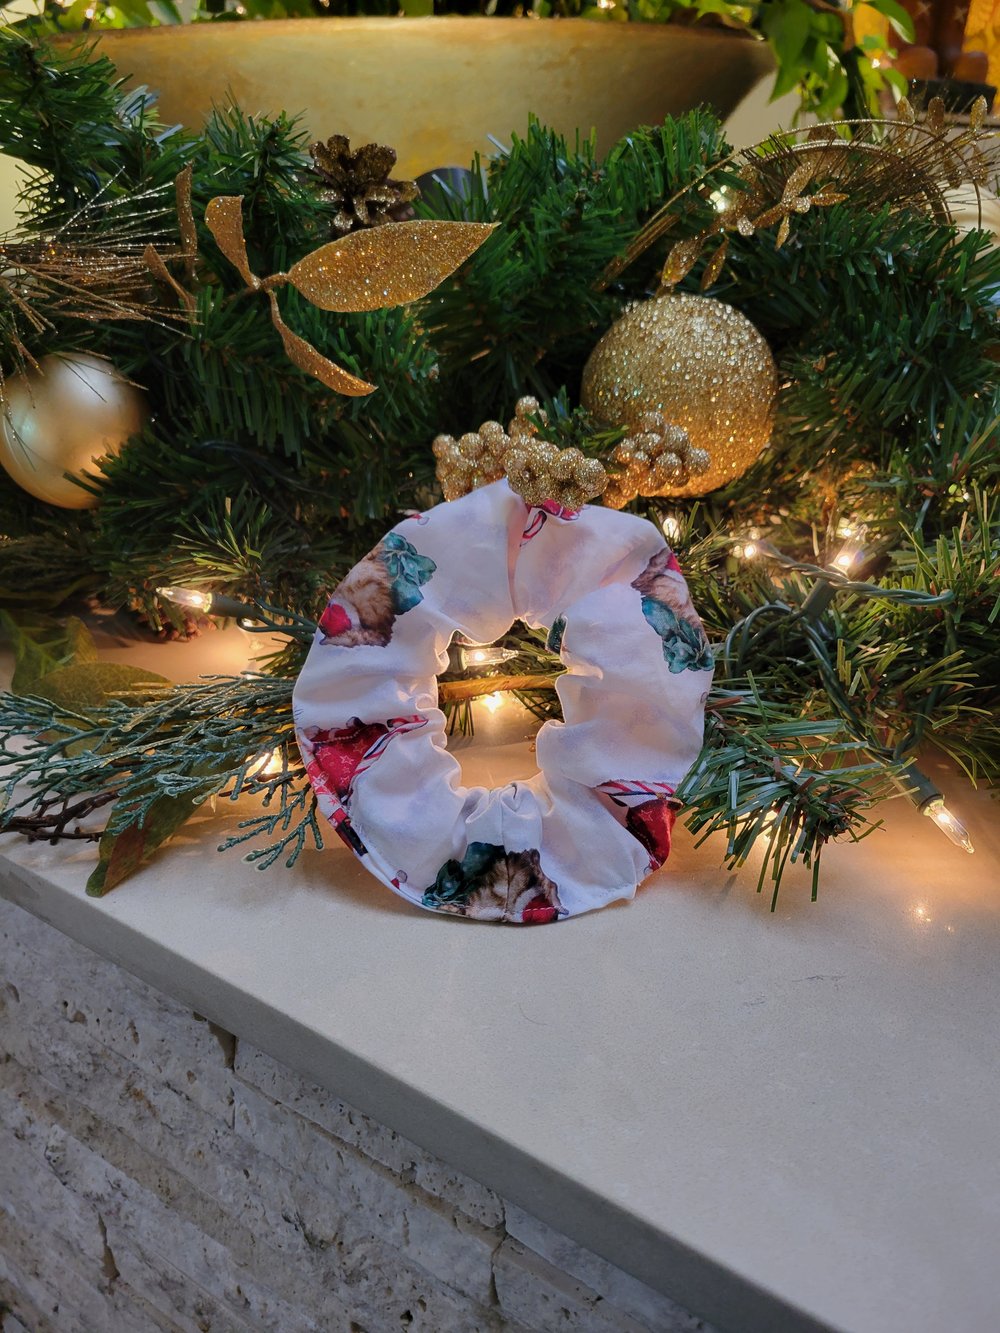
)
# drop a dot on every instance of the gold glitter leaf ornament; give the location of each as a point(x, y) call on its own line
point(366, 270)
point(385, 266)
point(900, 162)
point(700, 364)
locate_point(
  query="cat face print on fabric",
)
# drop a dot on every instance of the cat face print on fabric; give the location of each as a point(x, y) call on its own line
point(382, 586)
point(492, 884)
point(667, 606)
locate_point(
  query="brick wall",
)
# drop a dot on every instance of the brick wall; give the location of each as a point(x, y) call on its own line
point(159, 1173)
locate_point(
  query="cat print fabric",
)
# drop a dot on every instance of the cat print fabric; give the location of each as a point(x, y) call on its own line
point(611, 600)
point(492, 884)
point(666, 604)
point(385, 584)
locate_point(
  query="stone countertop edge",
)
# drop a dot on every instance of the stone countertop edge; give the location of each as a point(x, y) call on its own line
point(726, 1298)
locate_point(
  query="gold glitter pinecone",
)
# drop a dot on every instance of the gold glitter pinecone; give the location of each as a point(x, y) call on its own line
point(699, 363)
point(358, 184)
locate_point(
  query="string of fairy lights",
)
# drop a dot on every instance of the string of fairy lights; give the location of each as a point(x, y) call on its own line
point(841, 575)
point(828, 582)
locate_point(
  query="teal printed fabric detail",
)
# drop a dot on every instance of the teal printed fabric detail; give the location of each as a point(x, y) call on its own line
point(685, 647)
point(458, 879)
point(408, 570)
point(554, 641)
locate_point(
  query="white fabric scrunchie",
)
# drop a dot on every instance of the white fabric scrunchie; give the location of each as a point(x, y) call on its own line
point(596, 819)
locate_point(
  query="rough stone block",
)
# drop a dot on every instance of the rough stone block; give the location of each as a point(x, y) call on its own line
point(112, 1223)
point(158, 1176)
point(619, 1289)
point(52, 1297)
point(532, 1290)
point(32, 1199)
point(337, 1281)
point(370, 1137)
point(59, 985)
point(370, 1198)
point(285, 1205)
point(9, 1323)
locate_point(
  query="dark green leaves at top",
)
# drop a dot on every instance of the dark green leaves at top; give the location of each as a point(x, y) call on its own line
point(90, 685)
point(42, 645)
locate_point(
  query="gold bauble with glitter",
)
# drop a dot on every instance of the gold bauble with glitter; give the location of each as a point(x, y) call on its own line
point(60, 419)
point(702, 365)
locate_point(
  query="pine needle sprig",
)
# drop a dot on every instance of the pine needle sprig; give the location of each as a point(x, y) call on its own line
point(767, 775)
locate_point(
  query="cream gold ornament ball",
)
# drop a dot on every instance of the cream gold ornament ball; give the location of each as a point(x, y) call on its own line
point(699, 362)
point(59, 419)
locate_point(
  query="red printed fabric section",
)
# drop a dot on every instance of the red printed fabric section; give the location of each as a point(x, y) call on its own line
point(538, 515)
point(335, 758)
point(649, 810)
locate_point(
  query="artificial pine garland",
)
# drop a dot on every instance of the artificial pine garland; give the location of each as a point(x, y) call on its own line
point(254, 481)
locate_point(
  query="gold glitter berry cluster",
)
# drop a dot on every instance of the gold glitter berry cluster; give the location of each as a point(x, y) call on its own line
point(536, 469)
point(657, 460)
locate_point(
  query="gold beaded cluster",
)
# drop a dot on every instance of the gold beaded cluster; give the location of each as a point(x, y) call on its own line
point(536, 469)
point(657, 459)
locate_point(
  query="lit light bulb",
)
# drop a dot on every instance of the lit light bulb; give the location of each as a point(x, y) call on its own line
point(491, 702)
point(671, 526)
point(193, 598)
point(212, 604)
point(950, 826)
point(485, 654)
point(845, 558)
point(719, 200)
point(748, 550)
point(266, 765)
point(853, 548)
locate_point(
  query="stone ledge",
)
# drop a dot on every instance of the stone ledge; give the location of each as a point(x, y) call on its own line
point(617, 1078)
point(158, 1175)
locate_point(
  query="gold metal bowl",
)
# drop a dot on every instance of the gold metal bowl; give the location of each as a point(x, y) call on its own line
point(435, 88)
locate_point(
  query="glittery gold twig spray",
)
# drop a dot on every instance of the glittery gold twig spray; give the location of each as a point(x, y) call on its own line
point(902, 163)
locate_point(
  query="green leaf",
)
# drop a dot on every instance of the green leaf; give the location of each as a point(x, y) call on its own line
point(42, 644)
point(84, 685)
point(32, 657)
point(787, 27)
point(122, 854)
point(897, 16)
point(80, 641)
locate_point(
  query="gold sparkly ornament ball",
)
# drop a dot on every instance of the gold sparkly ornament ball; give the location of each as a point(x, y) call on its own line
point(702, 365)
point(60, 419)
